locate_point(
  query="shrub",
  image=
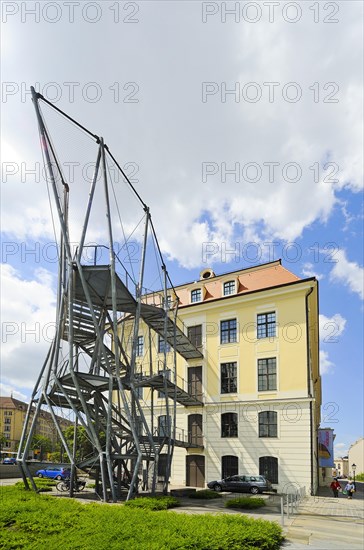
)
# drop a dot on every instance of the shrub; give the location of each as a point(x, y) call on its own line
point(205, 494)
point(153, 503)
point(359, 477)
point(245, 502)
point(29, 521)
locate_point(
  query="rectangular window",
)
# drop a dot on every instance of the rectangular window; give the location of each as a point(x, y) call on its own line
point(229, 288)
point(8, 413)
point(167, 375)
point(195, 335)
point(7, 421)
point(7, 428)
point(163, 346)
point(164, 426)
point(229, 425)
point(267, 374)
point(268, 424)
point(139, 392)
point(268, 467)
point(228, 331)
point(162, 465)
point(196, 295)
point(140, 346)
point(229, 378)
point(266, 325)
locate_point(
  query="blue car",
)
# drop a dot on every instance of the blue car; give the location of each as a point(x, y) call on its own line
point(53, 473)
point(9, 461)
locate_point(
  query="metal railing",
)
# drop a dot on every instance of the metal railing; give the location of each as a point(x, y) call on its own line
point(289, 503)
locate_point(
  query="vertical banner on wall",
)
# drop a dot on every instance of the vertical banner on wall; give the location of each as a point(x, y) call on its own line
point(326, 448)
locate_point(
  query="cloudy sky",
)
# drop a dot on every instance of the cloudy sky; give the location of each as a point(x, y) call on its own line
point(240, 124)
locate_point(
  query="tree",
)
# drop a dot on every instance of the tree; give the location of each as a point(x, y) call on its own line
point(3, 440)
point(42, 444)
point(84, 447)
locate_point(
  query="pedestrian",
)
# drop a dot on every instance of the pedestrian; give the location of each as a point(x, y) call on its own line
point(335, 486)
point(350, 489)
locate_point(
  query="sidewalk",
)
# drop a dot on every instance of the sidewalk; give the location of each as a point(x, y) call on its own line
point(328, 523)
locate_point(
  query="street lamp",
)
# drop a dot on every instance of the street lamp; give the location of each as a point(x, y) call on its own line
point(353, 467)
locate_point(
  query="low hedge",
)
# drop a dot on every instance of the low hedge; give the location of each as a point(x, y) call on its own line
point(29, 521)
point(205, 494)
point(153, 503)
point(245, 503)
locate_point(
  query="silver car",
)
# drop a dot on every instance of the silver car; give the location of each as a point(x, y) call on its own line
point(242, 484)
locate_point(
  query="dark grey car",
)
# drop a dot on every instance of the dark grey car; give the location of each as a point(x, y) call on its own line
point(242, 484)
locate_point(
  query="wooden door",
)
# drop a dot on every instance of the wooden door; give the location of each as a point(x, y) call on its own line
point(195, 471)
point(195, 381)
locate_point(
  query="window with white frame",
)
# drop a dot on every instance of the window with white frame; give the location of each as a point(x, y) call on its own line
point(228, 331)
point(267, 374)
point(196, 295)
point(163, 346)
point(140, 346)
point(229, 288)
point(266, 325)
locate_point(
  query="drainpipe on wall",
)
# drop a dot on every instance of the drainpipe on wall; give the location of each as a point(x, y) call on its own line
point(309, 391)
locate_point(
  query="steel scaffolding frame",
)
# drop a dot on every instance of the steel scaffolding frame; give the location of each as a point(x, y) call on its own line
point(95, 301)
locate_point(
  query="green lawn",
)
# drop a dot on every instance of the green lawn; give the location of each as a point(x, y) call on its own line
point(35, 521)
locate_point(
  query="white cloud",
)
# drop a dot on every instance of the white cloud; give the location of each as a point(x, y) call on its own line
point(341, 449)
point(7, 390)
point(308, 271)
point(170, 132)
point(28, 316)
point(326, 366)
point(348, 273)
point(331, 328)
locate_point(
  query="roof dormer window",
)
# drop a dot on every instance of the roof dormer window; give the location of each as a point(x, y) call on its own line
point(229, 288)
point(196, 295)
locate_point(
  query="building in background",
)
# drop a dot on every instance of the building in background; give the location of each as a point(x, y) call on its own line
point(258, 382)
point(356, 456)
point(12, 416)
point(341, 467)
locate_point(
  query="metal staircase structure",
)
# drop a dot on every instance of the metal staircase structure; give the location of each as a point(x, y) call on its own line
point(95, 383)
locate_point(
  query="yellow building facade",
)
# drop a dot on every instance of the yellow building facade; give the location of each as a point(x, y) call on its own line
point(257, 381)
point(12, 416)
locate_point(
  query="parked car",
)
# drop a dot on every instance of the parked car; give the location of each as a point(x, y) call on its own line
point(53, 473)
point(242, 484)
point(9, 461)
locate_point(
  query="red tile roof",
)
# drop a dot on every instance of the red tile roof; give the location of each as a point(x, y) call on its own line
point(248, 280)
